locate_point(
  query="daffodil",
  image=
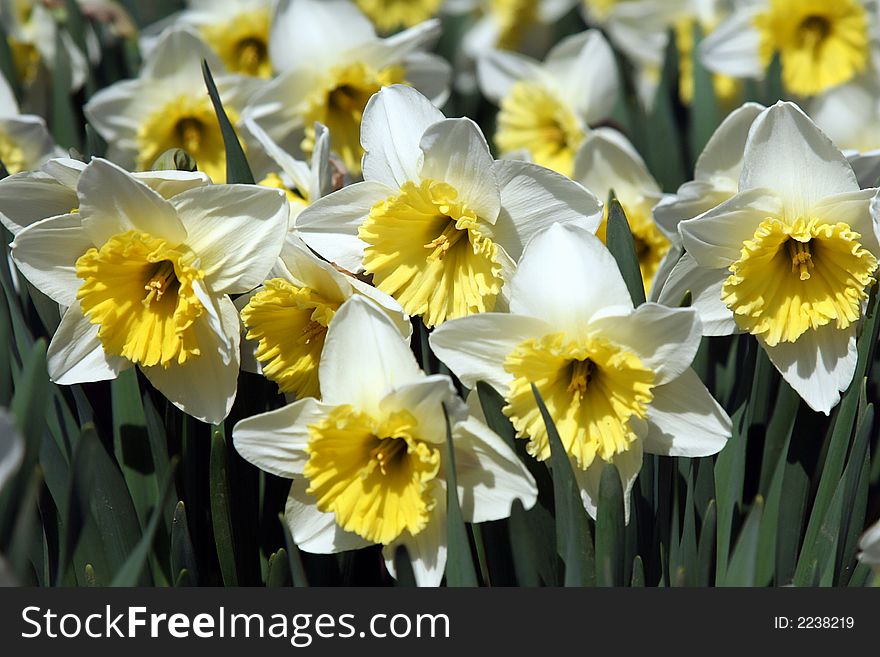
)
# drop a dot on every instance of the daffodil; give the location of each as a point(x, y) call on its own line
point(168, 106)
point(640, 29)
point(716, 179)
point(869, 548)
point(790, 258)
point(25, 142)
point(437, 223)
point(29, 196)
point(548, 108)
point(302, 182)
point(850, 115)
point(33, 35)
point(288, 316)
point(391, 15)
point(616, 380)
point(330, 62)
point(820, 43)
point(146, 282)
point(236, 30)
point(369, 461)
point(607, 161)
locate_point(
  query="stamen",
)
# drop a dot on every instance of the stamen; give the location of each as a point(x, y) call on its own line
point(159, 283)
point(813, 30)
point(387, 451)
point(445, 241)
point(311, 331)
point(251, 53)
point(801, 258)
point(581, 374)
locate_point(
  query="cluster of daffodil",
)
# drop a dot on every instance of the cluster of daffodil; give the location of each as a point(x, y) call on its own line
point(373, 212)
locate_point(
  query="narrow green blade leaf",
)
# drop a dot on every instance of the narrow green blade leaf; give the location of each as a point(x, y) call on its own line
point(623, 248)
point(403, 568)
point(459, 561)
point(224, 538)
point(742, 568)
point(279, 570)
point(610, 530)
point(63, 119)
point(237, 168)
point(183, 555)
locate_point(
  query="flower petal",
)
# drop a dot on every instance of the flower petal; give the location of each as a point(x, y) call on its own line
point(628, 463)
point(685, 420)
point(29, 196)
point(427, 399)
point(723, 154)
point(733, 47)
point(490, 475)
point(499, 70)
point(75, 354)
point(704, 284)
point(313, 530)
point(426, 550)
point(585, 71)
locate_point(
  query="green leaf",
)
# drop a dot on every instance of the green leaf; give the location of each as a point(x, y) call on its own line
point(742, 568)
point(706, 546)
point(63, 118)
point(620, 242)
point(237, 168)
point(28, 405)
point(729, 477)
point(705, 114)
point(573, 536)
point(224, 538)
point(297, 572)
point(459, 562)
point(638, 573)
point(7, 63)
point(279, 570)
point(183, 555)
point(610, 529)
point(665, 154)
point(403, 568)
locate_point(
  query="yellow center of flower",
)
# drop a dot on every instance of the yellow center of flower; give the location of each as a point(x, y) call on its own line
point(592, 388)
point(339, 104)
point(12, 155)
point(822, 43)
point(188, 123)
point(651, 244)
point(427, 250)
point(297, 199)
point(139, 290)
point(290, 324)
point(374, 475)
point(514, 17)
point(533, 118)
point(391, 15)
point(242, 42)
point(791, 278)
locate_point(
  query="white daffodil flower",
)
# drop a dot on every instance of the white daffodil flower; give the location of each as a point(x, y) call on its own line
point(146, 280)
point(302, 182)
point(616, 380)
point(330, 63)
point(607, 161)
point(11, 448)
point(368, 461)
point(391, 15)
point(34, 35)
point(640, 29)
point(790, 258)
point(548, 107)
point(168, 106)
point(869, 546)
point(25, 142)
point(821, 43)
point(287, 317)
point(716, 179)
point(236, 30)
point(437, 222)
point(29, 196)
point(850, 115)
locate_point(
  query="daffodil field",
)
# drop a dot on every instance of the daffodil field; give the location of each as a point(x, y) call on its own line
point(439, 292)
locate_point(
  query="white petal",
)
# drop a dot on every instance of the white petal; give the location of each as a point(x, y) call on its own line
point(46, 253)
point(704, 284)
point(691, 200)
point(279, 105)
point(456, 152)
point(566, 276)
point(475, 347)
point(733, 47)
point(313, 530)
point(428, 400)
point(177, 59)
point(397, 48)
point(602, 163)
point(427, 549)
point(715, 239)
point(854, 209)
point(787, 153)
point(869, 544)
point(430, 74)
point(533, 199)
point(236, 231)
point(75, 354)
point(276, 441)
point(204, 387)
point(585, 71)
point(628, 463)
point(392, 127)
point(723, 154)
point(330, 225)
point(112, 202)
point(172, 183)
point(364, 357)
point(819, 366)
point(490, 475)
point(30, 196)
point(499, 70)
point(684, 419)
point(117, 111)
point(665, 339)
